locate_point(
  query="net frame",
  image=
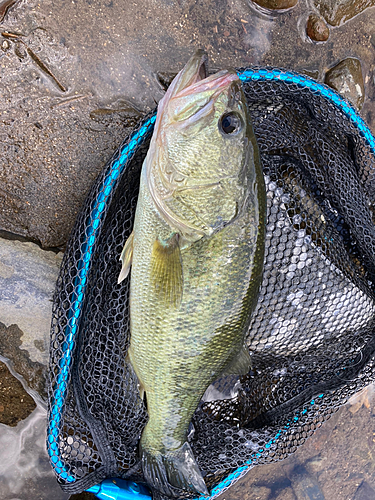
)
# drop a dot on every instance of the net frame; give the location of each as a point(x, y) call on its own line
point(92, 219)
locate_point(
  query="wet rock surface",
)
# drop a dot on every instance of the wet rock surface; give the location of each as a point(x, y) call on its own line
point(346, 77)
point(53, 149)
point(337, 12)
point(317, 29)
point(75, 76)
point(276, 4)
point(27, 282)
point(25, 472)
point(15, 403)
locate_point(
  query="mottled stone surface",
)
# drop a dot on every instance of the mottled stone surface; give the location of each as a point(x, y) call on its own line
point(316, 28)
point(304, 485)
point(346, 77)
point(27, 282)
point(337, 12)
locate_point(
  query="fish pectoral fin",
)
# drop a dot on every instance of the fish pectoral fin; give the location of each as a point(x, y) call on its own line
point(175, 471)
point(126, 258)
point(166, 270)
point(240, 365)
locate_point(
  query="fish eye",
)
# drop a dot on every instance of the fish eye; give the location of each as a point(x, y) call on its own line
point(230, 123)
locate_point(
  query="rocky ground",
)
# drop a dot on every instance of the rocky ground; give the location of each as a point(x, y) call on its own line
point(74, 78)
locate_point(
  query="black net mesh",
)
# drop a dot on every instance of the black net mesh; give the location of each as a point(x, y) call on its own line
point(311, 336)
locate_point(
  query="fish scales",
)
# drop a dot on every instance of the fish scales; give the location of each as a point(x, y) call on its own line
point(196, 256)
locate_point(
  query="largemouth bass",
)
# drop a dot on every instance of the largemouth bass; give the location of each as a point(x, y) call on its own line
point(196, 256)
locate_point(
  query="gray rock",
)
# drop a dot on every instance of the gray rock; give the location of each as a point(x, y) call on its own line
point(346, 77)
point(337, 12)
point(33, 372)
point(27, 281)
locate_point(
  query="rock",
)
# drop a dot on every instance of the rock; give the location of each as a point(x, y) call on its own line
point(305, 485)
point(54, 138)
point(364, 492)
point(5, 5)
point(27, 282)
point(365, 397)
point(286, 494)
point(276, 4)
point(316, 464)
point(337, 12)
point(51, 153)
point(346, 77)
point(258, 483)
point(311, 73)
point(317, 29)
point(15, 403)
point(33, 372)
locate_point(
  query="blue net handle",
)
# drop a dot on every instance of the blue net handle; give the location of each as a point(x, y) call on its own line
point(93, 226)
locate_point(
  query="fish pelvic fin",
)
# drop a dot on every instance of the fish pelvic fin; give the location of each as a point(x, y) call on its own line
point(134, 375)
point(126, 258)
point(166, 270)
point(174, 471)
point(240, 364)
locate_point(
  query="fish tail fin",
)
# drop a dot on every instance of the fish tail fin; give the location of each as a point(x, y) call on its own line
point(174, 471)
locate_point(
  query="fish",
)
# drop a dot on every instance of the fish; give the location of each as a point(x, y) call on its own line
point(195, 258)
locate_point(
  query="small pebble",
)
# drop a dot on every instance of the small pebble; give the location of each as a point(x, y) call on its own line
point(5, 45)
point(317, 29)
point(276, 4)
point(346, 77)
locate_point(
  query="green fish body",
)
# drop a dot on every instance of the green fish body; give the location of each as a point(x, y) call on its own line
point(196, 256)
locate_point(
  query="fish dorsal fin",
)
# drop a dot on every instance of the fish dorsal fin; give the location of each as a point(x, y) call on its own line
point(126, 258)
point(166, 270)
point(240, 365)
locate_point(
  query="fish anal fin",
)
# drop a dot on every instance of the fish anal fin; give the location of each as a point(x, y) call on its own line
point(240, 364)
point(126, 258)
point(166, 270)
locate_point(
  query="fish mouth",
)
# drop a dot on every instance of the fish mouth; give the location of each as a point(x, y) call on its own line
point(195, 70)
point(193, 80)
point(194, 93)
point(215, 83)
